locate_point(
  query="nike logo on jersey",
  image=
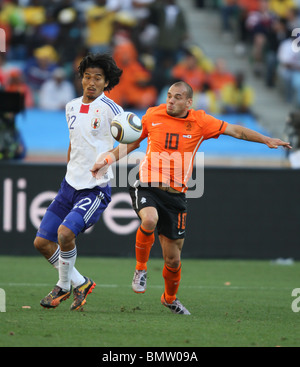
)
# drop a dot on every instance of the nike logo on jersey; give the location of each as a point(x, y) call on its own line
point(180, 232)
point(187, 136)
point(157, 123)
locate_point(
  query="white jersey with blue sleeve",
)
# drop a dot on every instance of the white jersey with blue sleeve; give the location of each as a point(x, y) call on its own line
point(89, 131)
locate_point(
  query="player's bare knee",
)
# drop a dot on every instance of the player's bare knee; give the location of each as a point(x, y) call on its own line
point(172, 262)
point(149, 225)
point(65, 238)
point(149, 218)
point(149, 222)
point(40, 243)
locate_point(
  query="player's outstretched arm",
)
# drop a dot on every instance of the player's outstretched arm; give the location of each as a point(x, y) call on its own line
point(240, 132)
point(108, 158)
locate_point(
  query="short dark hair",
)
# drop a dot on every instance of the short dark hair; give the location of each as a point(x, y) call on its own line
point(189, 89)
point(106, 63)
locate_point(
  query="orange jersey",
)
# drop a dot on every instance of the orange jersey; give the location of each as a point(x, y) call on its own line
point(173, 143)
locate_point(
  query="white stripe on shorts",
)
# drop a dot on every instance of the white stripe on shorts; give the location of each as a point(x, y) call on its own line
point(136, 184)
point(92, 210)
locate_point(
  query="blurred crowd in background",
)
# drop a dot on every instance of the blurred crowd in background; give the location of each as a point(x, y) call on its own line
point(266, 30)
point(150, 40)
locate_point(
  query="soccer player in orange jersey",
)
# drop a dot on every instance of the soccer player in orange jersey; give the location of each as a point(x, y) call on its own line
point(174, 132)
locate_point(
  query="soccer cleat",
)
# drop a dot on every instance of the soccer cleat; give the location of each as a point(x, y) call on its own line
point(139, 282)
point(176, 306)
point(81, 292)
point(55, 297)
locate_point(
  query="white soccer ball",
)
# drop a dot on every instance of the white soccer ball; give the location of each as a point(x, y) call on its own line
point(126, 127)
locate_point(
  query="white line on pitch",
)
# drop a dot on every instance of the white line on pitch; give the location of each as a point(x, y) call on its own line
point(149, 286)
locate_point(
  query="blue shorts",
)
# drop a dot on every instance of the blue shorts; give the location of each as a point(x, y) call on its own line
point(76, 209)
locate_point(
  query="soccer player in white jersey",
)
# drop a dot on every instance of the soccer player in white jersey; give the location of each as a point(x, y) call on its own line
point(81, 198)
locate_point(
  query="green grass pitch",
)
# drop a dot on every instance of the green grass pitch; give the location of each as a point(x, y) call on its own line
point(233, 303)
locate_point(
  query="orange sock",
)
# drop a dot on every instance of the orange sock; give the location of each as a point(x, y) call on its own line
point(172, 278)
point(143, 244)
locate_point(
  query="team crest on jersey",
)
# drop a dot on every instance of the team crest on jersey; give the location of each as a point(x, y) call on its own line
point(95, 123)
point(188, 126)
